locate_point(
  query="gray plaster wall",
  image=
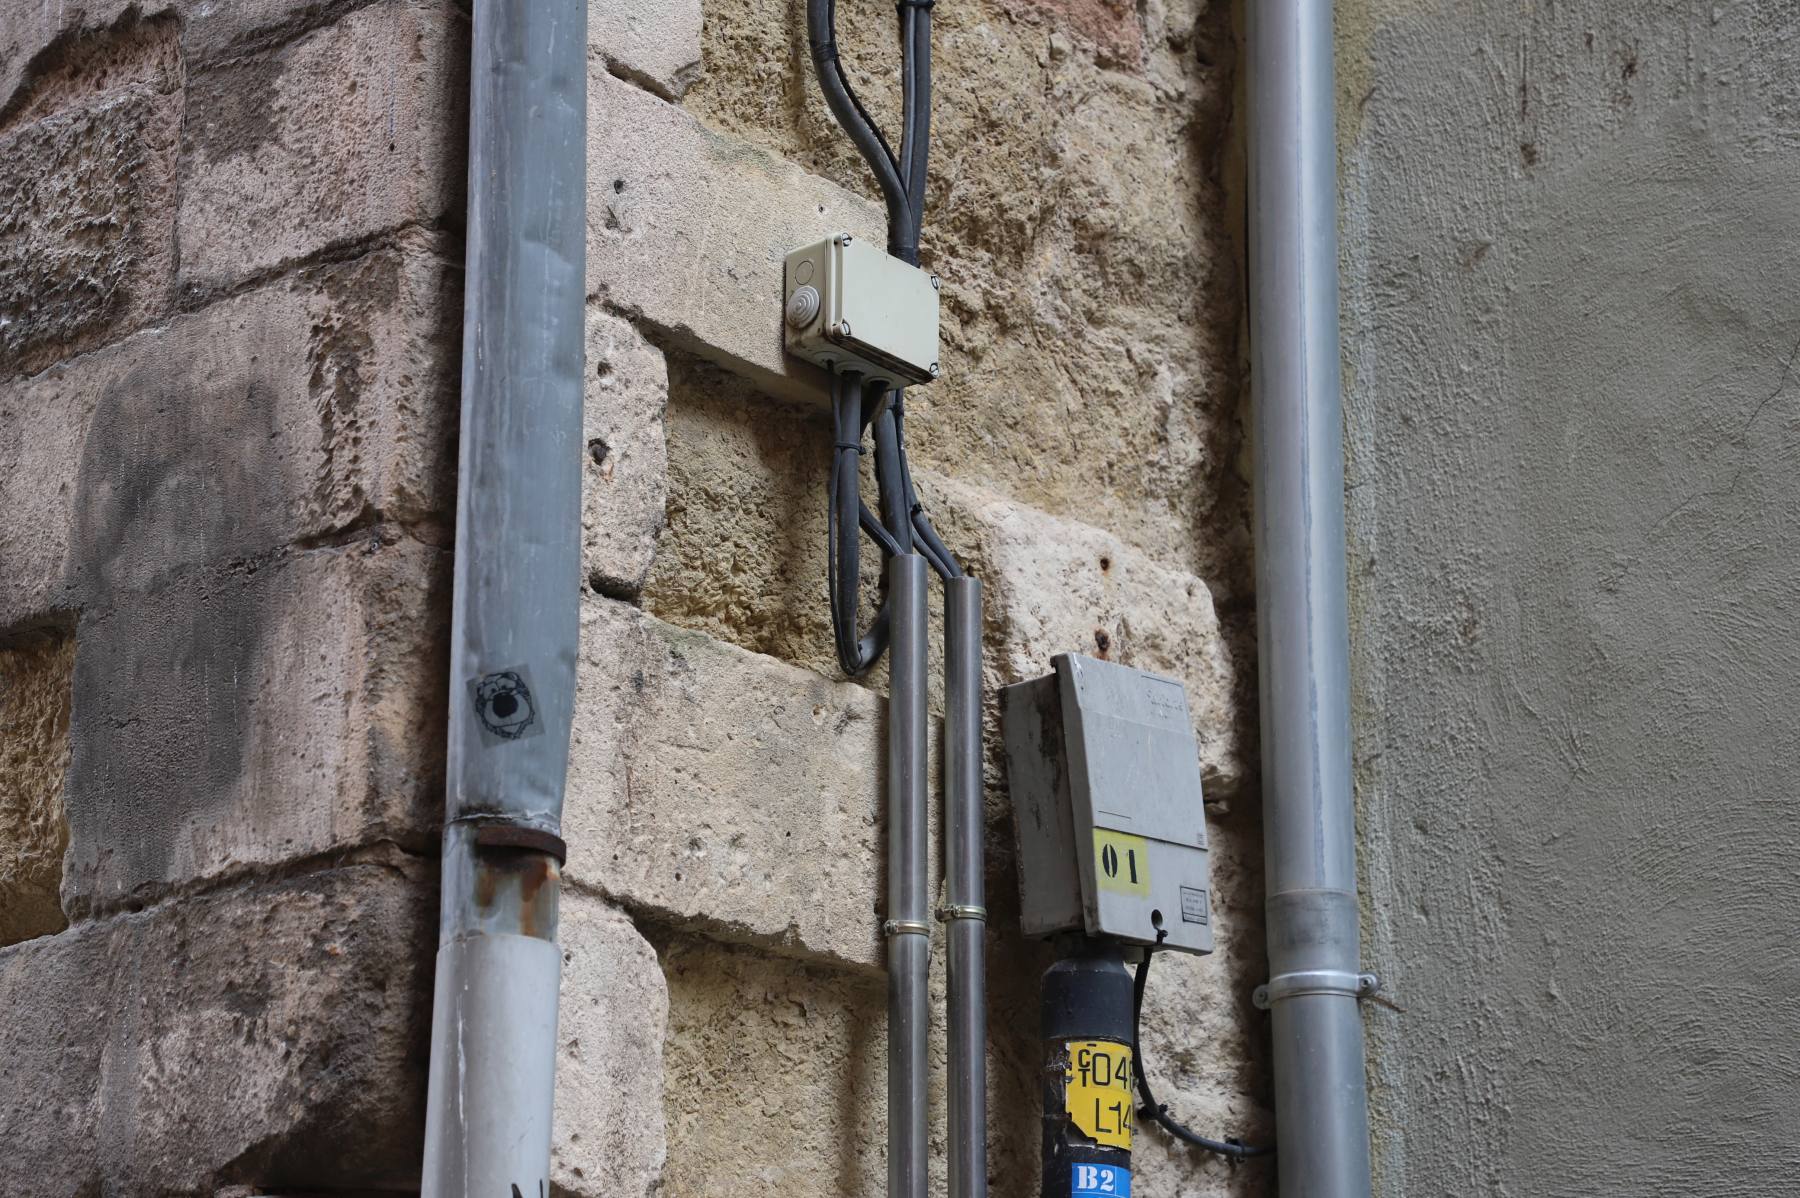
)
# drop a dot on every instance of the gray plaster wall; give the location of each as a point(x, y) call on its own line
point(1572, 330)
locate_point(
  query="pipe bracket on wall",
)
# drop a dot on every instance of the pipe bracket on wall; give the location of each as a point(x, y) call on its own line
point(1314, 981)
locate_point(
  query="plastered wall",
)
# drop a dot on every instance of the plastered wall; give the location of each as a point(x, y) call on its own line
point(1571, 311)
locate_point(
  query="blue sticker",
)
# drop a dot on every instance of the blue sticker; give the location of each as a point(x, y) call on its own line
point(1099, 1181)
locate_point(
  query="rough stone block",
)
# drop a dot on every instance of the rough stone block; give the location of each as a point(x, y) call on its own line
point(688, 230)
point(272, 1035)
point(255, 713)
point(716, 786)
point(35, 678)
point(626, 481)
point(57, 43)
point(655, 43)
point(610, 1140)
point(350, 131)
point(316, 403)
point(1054, 586)
point(87, 199)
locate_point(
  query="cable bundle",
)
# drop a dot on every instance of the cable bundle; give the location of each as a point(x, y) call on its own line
point(859, 405)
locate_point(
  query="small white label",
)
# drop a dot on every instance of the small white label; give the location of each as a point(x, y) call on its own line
point(1193, 906)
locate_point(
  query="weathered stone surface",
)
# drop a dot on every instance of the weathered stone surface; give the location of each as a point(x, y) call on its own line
point(717, 786)
point(655, 43)
point(610, 1139)
point(273, 1034)
point(59, 43)
point(688, 230)
point(1081, 219)
point(352, 130)
point(774, 1076)
point(625, 485)
point(35, 678)
point(87, 198)
point(744, 559)
point(317, 403)
point(1054, 585)
point(258, 712)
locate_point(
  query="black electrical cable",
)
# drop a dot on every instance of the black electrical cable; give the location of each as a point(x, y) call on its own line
point(1159, 1112)
point(847, 513)
point(901, 525)
point(821, 31)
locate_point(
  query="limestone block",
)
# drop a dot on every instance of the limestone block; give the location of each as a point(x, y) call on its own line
point(625, 484)
point(716, 786)
point(258, 713)
point(655, 43)
point(87, 200)
point(62, 44)
point(350, 131)
point(272, 1034)
point(1055, 585)
point(610, 1140)
point(688, 230)
point(315, 403)
point(35, 678)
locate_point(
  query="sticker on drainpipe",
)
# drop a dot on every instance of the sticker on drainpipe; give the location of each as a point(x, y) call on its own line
point(504, 706)
point(1099, 1181)
point(1098, 1095)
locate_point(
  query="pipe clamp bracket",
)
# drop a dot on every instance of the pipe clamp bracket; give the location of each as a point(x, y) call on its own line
point(962, 911)
point(905, 927)
point(1315, 981)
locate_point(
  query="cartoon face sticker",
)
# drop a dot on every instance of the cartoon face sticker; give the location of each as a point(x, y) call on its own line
point(504, 705)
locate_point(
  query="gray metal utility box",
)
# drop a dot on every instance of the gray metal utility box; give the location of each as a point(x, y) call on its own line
point(1105, 779)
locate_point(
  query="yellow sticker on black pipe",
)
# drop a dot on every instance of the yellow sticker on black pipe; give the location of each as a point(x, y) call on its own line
point(1098, 1094)
point(1122, 862)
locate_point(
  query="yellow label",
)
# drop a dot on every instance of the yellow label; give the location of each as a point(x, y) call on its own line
point(1122, 862)
point(1098, 1096)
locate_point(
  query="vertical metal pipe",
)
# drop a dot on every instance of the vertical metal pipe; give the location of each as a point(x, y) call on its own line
point(967, 915)
point(1309, 818)
point(907, 928)
point(515, 618)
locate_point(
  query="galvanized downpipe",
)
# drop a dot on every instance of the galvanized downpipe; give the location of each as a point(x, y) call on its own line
point(515, 613)
point(1321, 1105)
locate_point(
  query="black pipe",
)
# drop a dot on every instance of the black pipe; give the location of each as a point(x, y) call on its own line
point(1087, 1074)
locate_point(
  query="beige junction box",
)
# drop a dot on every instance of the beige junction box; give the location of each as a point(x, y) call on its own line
point(850, 306)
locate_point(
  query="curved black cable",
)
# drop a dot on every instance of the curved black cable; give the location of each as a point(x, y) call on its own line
point(926, 537)
point(846, 513)
point(821, 32)
point(1156, 1111)
point(915, 91)
point(901, 525)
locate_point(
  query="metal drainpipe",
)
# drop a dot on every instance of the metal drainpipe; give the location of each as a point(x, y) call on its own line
point(515, 617)
point(1321, 1106)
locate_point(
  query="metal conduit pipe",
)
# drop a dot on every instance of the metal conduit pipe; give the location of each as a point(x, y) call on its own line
point(515, 617)
point(966, 914)
point(1321, 1105)
point(907, 927)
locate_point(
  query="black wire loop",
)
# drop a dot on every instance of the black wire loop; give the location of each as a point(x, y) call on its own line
point(1158, 1112)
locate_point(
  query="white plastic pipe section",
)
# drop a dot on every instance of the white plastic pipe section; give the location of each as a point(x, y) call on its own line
point(515, 617)
point(1321, 1106)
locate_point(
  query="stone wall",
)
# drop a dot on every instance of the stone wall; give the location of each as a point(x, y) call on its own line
point(1081, 455)
point(229, 327)
point(229, 343)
